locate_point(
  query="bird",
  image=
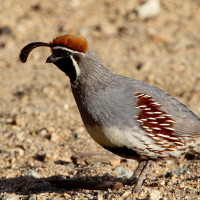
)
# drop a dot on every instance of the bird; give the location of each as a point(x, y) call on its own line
point(128, 117)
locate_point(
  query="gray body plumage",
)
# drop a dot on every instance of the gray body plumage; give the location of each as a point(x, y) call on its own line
point(106, 103)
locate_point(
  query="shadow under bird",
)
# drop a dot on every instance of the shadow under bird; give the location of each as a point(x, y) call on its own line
point(125, 116)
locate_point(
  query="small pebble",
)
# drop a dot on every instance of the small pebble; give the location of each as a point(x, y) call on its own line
point(40, 156)
point(66, 195)
point(100, 195)
point(123, 172)
point(11, 175)
point(33, 197)
point(149, 9)
point(114, 162)
point(54, 137)
point(6, 30)
point(117, 185)
point(182, 185)
point(97, 164)
point(155, 195)
point(126, 194)
point(75, 135)
point(32, 173)
point(9, 197)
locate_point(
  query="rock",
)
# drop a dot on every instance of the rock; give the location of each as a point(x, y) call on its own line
point(126, 194)
point(100, 195)
point(33, 197)
point(32, 173)
point(181, 171)
point(66, 106)
point(182, 185)
point(11, 120)
point(51, 129)
point(54, 137)
point(41, 156)
point(11, 175)
point(18, 151)
point(5, 30)
point(114, 162)
point(66, 195)
point(9, 197)
point(149, 9)
point(117, 185)
point(123, 172)
point(67, 163)
point(97, 164)
point(155, 195)
point(74, 134)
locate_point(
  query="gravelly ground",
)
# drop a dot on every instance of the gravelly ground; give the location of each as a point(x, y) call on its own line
point(42, 136)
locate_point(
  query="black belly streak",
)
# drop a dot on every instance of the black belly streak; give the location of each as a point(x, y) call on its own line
point(124, 152)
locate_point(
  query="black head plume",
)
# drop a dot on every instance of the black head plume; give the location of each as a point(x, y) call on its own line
point(28, 48)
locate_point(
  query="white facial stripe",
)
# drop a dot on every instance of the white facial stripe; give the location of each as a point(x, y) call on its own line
point(66, 49)
point(77, 69)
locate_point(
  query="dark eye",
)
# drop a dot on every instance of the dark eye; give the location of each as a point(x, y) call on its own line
point(60, 53)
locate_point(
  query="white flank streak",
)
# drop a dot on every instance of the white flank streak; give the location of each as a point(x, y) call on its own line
point(145, 127)
point(156, 138)
point(167, 115)
point(151, 118)
point(147, 109)
point(139, 120)
point(173, 138)
point(143, 119)
point(136, 107)
point(76, 67)
point(171, 129)
point(160, 117)
point(143, 106)
point(146, 96)
point(161, 142)
point(153, 122)
point(156, 128)
point(165, 145)
point(179, 143)
point(164, 124)
point(170, 121)
point(150, 134)
point(140, 95)
point(156, 103)
point(158, 112)
point(150, 113)
point(161, 135)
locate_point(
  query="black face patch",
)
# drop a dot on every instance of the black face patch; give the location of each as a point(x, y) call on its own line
point(66, 65)
point(60, 53)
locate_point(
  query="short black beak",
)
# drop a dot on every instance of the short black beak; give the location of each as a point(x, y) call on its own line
point(51, 59)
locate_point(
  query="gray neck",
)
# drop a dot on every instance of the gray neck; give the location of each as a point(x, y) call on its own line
point(93, 74)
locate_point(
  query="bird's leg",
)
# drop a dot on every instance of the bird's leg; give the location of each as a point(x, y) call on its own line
point(140, 171)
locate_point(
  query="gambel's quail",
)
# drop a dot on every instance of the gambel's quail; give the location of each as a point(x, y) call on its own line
point(125, 116)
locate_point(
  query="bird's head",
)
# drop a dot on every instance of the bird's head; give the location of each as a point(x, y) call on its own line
point(67, 52)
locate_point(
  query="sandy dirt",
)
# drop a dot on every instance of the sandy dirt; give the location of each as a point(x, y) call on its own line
point(43, 140)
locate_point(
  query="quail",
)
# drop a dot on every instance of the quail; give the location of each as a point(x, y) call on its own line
point(128, 117)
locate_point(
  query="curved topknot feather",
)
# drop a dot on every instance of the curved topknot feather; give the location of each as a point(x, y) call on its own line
point(72, 42)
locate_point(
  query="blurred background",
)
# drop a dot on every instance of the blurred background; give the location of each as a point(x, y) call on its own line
point(156, 42)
